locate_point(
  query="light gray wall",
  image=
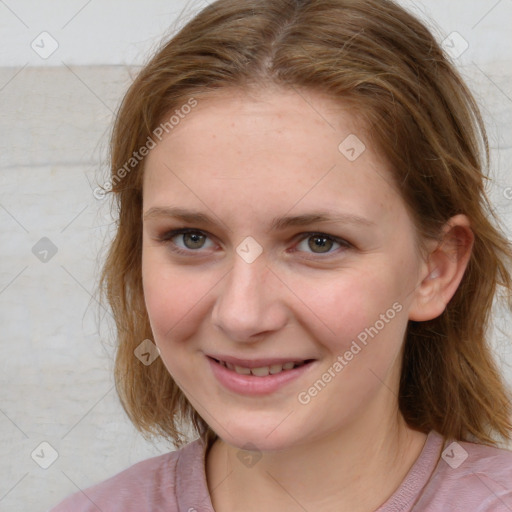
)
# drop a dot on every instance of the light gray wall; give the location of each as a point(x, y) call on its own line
point(55, 112)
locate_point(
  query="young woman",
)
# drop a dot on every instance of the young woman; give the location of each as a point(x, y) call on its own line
point(304, 269)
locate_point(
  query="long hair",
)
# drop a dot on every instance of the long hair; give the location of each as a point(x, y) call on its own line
point(383, 63)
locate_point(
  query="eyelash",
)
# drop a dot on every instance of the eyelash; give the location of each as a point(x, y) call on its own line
point(167, 238)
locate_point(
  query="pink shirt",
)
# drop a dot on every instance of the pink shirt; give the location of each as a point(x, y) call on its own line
point(446, 477)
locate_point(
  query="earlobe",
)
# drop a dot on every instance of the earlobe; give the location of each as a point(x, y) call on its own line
point(443, 270)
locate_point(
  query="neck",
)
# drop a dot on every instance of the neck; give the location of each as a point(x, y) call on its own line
point(356, 469)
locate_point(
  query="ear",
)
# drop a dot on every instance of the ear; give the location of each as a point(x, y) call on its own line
point(443, 269)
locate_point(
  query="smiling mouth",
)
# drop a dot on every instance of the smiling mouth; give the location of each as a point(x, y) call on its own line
point(263, 371)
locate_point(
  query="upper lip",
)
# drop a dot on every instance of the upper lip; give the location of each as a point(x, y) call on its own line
point(256, 363)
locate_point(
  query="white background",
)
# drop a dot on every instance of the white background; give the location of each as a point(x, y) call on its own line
point(55, 113)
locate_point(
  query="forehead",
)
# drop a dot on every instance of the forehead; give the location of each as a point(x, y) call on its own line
point(276, 148)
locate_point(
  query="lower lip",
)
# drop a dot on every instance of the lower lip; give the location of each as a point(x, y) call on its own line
point(253, 385)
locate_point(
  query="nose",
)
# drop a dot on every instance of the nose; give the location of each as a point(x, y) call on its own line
point(250, 302)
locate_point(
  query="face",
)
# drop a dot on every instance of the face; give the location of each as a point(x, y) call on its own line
point(260, 275)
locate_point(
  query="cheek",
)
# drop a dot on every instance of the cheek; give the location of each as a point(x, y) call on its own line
point(359, 303)
point(340, 310)
point(173, 297)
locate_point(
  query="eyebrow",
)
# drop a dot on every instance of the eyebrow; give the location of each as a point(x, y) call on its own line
point(278, 223)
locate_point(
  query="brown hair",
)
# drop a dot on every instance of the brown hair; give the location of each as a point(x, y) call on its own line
point(381, 61)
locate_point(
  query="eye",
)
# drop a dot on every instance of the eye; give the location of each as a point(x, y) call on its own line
point(186, 241)
point(190, 238)
point(321, 243)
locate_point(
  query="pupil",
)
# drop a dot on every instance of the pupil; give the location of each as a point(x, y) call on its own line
point(320, 243)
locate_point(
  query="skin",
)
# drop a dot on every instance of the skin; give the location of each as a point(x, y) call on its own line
point(245, 159)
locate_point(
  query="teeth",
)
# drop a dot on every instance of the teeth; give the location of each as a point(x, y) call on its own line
point(262, 371)
point(242, 371)
point(276, 368)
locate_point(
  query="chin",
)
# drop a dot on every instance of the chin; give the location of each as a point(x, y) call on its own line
point(258, 439)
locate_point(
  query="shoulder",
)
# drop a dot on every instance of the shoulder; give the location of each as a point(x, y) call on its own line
point(472, 476)
point(148, 485)
point(463, 460)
